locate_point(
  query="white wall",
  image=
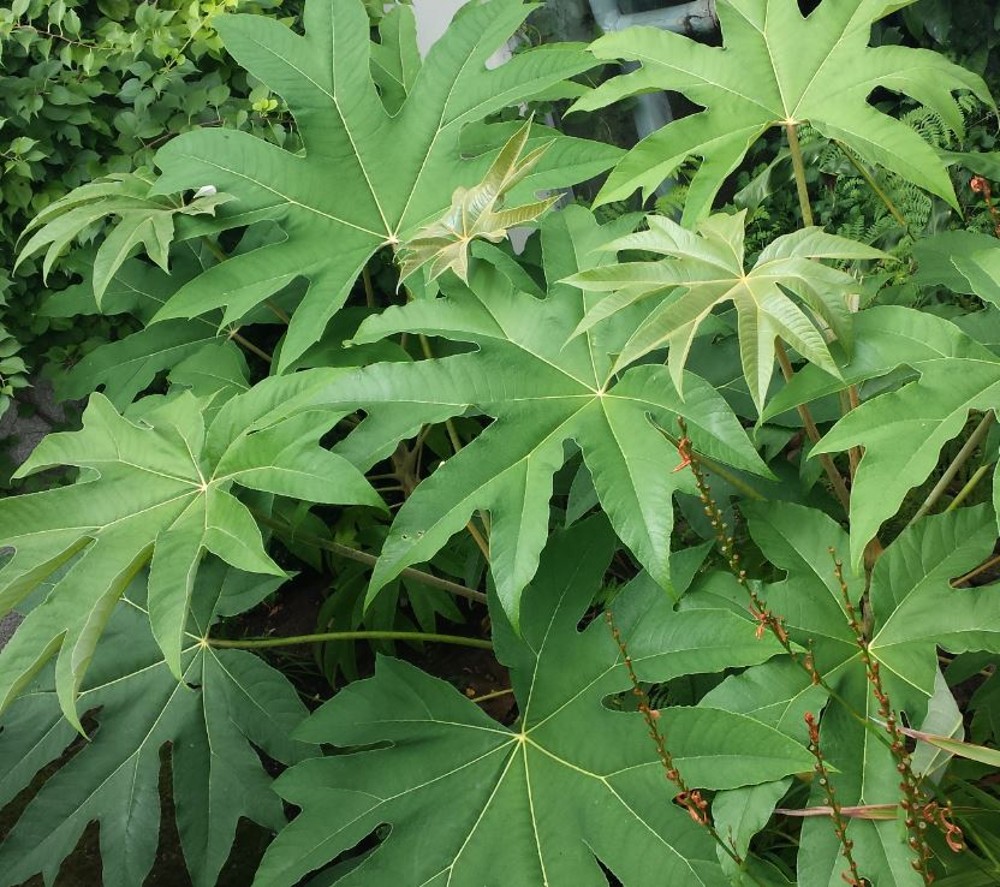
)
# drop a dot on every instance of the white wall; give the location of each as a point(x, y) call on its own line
point(433, 17)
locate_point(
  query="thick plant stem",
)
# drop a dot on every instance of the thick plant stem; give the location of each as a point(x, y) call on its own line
point(966, 491)
point(253, 349)
point(325, 637)
point(799, 167)
point(456, 444)
point(366, 277)
point(362, 557)
point(839, 487)
point(971, 445)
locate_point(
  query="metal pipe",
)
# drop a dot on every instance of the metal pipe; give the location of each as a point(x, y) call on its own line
point(652, 109)
point(696, 17)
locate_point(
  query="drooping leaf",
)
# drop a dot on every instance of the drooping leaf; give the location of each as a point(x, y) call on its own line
point(124, 368)
point(902, 433)
point(886, 337)
point(701, 271)
point(936, 257)
point(476, 213)
point(950, 746)
point(542, 393)
point(370, 176)
point(777, 67)
point(144, 218)
point(572, 783)
point(160, 493)
point(229, 704)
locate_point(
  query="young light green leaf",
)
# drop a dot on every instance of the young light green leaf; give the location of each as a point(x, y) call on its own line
point(777, 67)
point(575, 782)
point(476, 213)
point(394, 172)
point(158, 493)
point(542, 393)
point(704, 270)
point(229, 707)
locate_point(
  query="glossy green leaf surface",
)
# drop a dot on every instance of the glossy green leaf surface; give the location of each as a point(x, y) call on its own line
point(158, 492)
point(370, 177)
point(543, 392)
point(536, 803)
point(229, 704)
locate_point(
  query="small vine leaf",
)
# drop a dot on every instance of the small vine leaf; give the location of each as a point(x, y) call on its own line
point(144, 219)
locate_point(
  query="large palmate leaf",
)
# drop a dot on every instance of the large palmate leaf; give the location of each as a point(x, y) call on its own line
point(369, 178)
point(778, 67)
point(543, 392)
point(159, 492)
point(472, 803)
point(704, 270)
point(902, 433)
point(913, 610)
point(229, 705)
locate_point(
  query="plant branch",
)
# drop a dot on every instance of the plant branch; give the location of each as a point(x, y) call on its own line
point(325, 637)
point(799, 167)
point(839, 487)
point(964, 454)
point(964, 493)
point(362, 557)
point(874, 185)
point(253, 349)
point(456, 444)
point(366, 277)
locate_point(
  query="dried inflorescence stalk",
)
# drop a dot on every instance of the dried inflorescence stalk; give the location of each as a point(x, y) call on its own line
point(920, 811)
point(982, 186)
point(690, 799)
point(766, 620)
point(852, 876)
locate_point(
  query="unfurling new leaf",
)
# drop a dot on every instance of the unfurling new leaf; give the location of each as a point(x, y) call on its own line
point(476, 213)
